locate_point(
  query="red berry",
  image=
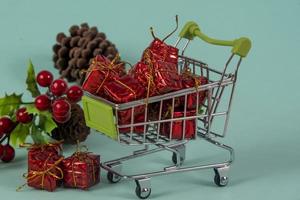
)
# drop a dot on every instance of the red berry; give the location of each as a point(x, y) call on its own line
point(62, 119)
point(74, 93)
point(58, 87)
point(42, 102)
point(6, 126)
point(61, 107)
point(23, 116)
point(44, 78)
point(8, 153)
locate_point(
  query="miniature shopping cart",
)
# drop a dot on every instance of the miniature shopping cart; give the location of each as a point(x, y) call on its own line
point(102, 115)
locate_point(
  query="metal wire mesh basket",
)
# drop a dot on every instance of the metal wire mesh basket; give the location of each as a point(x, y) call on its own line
point(103, 115)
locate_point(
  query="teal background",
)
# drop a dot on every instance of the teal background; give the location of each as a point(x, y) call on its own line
point(264, 127)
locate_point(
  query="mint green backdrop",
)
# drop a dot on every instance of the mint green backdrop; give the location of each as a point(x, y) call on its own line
point(264, 128)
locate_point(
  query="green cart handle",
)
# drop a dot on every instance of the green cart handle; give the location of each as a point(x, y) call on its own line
point(239, 46)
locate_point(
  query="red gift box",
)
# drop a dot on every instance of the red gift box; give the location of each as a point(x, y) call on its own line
point(124, 118)
point(189, 81)
point(153, 114)
point(124, 89)
point(101, 71)
point(161, 51)
point(44, 174)
point(81, 170)
point(178, 125)
point(166, 77)
point(158, 76)
point(143, 73)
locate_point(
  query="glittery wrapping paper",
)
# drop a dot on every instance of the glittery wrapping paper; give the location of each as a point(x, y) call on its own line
point(100, 72)
point(43, 173)
point(81, 170)
point(124, 118)
point(177, 126)
point(193, 81)
point(124, 89)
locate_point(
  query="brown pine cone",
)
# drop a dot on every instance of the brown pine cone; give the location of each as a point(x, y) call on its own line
point(73, 52)
point(73, 130)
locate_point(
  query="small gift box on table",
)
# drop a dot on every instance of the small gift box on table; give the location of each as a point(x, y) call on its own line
point(44, 171)
point(81, 170)
point(178, 129)
point(47, 176)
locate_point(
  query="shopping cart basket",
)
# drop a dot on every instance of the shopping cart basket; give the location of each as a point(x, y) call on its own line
point(102, 115)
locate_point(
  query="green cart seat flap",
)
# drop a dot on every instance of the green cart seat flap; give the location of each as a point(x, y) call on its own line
point(99, 116)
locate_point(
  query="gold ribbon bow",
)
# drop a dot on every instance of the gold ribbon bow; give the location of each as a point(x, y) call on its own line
point(33, 175)
point(150, 77)
point(187, 73)
point(98, 66)
point(55, 144)
point(81, 155)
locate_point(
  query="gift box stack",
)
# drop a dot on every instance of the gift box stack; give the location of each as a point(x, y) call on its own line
point(155, 74)
point(48, 169)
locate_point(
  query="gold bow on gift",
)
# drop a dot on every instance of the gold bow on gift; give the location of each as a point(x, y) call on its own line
point(187, 73)
point(56, 145)
point(150, 77)
point(98, 66)
point(126, 86)
point(32, 175)
point(81, 155)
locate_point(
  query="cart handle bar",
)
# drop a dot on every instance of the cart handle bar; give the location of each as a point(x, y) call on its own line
point(240, 46)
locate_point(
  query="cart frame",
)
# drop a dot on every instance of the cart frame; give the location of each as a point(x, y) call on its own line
point(219, 81)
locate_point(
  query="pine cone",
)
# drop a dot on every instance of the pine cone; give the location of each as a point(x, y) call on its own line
point(73, 130)
point(74, 52)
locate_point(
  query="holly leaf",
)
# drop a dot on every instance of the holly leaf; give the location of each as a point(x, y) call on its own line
point(9, 103)
point(31, 82)
point(31, 109)
point(37, 135)
point(20, 133)
point(46, 123)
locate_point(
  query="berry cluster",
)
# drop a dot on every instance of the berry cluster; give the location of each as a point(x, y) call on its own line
point(7, 152)
point(7, 125)
point(49, 111)
point(58, 97)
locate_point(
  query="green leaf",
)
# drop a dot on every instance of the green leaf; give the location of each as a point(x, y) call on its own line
point(20, 133)
point(10, 103)
point(31, 82)
point(37, 135)
point(46, 122)
point(31, 109)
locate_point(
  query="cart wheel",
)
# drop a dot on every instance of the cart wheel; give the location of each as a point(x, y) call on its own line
point(174, 159)
point(113, 178)
point(220, 181)
point(142, 193)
